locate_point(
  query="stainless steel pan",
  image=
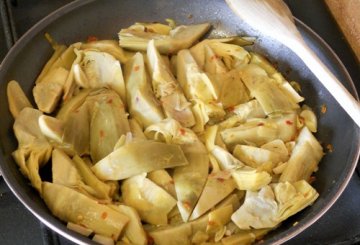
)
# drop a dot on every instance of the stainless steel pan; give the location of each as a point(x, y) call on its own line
point(104, 19)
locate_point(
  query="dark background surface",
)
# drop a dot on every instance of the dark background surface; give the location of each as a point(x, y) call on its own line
point(340, 225)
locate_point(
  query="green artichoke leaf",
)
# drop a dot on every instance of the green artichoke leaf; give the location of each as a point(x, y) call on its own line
point(255, 156)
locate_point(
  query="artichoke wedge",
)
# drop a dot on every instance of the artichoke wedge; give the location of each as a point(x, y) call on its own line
point(16, 98)
point(255, 156)
point(241, 113)
point(151, 201)
point(304, 158)
point(108, 46)
point(245, 237)
point(198, 88)
point(163, 179)
point(190, 179)
point(218, 186)
point(265, 89)
point(64, 171)
point(218, 218)
point(261, 131)
point(33, 149)
point(108, 123)
point(47, 93)
point(181, 37)
point(97, 70)
point(133, 230)
point(72, 206)
point(126, 161)
point(167, 90)
point(246, 178)
point(142, 104)
point(272, 204)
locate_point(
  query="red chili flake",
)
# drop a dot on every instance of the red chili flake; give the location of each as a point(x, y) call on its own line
point(150, 240)
point(301, 119)
point(136, 68)
point(113, 237)
point(92, 39)
point(214, 57)
point(109, 101)
point(104, 215)
point(230, 108)
point(171, 182)
point(102, 133)
point(83, 225)
point(260, 124)
point(288, 122)
point(186, 205)
point(330, 148)
point(220, 179)
point(323, 109)
point(211, 222)
point(182, 131)
point(312, 179)
point(137, 99)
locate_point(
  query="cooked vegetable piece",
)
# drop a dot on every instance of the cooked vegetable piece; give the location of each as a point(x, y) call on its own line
point(103, 240)
point(102, 189)
point(76, 136)
point(309, 118)
point(142, 104)
point(197, 86)
point(255, 156)
point(177, 235)
point(79, 229)
point(33, 150)
point(190, 179)
point(108, 123)
point(213, 63)
point(245, 237)
point(261, 131)
point(304, 158)
point(151, 201)
point(72, 104)
point(217, 187)
point(47, 93)
point(200, 237)
point(279, 147)
point(52, 128)
point(271, 97)
point(16, 98)
point(242, 112)
point(133, 230)
point(99, 69)
point(273, 204)
point(218, 218)
point(126, 161)
point(64, 171)
point(136, 130)
point(181, 37)
point(167, 90)
point(246, 178)
point(163, 179)
point(72, 206)
point(108, 46)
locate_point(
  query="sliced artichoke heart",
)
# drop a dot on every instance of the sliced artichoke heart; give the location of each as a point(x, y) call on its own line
point(126, 161)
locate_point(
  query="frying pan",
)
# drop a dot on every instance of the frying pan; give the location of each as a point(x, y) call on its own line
point(80, 19)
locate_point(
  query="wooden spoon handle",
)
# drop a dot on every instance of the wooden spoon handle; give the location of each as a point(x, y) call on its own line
point(326, 77)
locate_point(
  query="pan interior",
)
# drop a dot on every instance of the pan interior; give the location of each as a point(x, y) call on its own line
point(104, 19)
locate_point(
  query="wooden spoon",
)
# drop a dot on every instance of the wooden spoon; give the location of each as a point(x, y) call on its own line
point(273, 18)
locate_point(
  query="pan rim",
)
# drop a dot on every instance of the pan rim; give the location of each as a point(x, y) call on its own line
point(23, 40)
